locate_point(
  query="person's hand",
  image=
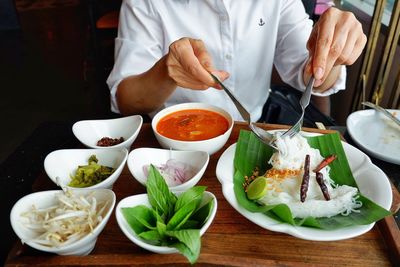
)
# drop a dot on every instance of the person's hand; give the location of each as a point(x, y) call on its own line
point(336, 39)
point(189, 64)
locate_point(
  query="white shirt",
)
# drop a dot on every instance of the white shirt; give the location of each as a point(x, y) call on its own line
point(244, 38)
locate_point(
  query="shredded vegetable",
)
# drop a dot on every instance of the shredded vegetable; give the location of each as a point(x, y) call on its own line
point(72, 218)
point(174, 172)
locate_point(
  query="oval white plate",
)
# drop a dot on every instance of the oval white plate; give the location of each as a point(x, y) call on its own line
point(376, 134)
point(371, 180)
point(142, 199)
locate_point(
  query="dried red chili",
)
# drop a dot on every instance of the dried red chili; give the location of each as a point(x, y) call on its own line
point(325, 163)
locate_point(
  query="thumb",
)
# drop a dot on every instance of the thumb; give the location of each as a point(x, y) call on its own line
point(222, 76)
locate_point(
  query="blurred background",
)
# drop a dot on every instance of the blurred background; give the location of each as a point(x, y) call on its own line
point(55, 56)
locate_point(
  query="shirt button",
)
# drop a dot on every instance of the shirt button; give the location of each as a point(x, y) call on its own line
point(228, 56)
point(223, 17)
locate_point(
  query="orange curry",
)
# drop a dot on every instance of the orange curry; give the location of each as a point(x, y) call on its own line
point(192, 125)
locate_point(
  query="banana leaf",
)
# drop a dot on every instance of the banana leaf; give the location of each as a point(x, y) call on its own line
point(251, 153)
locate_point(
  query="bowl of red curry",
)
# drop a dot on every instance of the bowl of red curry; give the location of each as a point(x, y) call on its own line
point(193, 126)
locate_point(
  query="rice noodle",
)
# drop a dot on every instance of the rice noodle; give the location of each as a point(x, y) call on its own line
point(284, 183)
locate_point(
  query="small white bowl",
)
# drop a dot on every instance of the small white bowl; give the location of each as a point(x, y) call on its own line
point(46, 199)
point(145, 156)
point(60, 164)
point(210, 145)
point(89, 132)
point(142, 199)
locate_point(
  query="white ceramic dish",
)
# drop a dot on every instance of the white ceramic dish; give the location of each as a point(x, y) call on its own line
point(371, 180)
point(376, 134)
point(60, 164)
point(142, 199)
point(89, 132)
point(46, 199)
point(145, 156)
point(210, 146)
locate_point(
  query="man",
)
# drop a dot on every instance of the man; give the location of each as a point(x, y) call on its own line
point(165, 51)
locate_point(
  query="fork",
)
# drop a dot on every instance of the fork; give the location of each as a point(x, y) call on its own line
point(262, 134)
point(304, 101)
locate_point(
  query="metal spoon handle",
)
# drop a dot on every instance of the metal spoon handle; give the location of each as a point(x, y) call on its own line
point(245, 114)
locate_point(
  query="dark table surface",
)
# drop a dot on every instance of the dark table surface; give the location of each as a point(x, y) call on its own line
point(19, 170)
point(26, 166)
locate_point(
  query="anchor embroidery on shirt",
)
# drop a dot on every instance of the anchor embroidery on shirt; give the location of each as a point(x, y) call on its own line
point(261, 23)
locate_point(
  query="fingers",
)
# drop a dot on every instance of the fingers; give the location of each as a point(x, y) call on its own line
point(345, 44)
point(200, 51)
point(324, 36)
point(337, 39)
point(185, 54)
point(357, 50)
point(337, 54)
point(189, 64)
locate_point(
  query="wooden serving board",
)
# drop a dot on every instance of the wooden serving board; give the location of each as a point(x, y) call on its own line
point(231, 239)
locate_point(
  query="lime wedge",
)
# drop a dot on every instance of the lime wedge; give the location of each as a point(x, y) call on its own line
point(258, 188)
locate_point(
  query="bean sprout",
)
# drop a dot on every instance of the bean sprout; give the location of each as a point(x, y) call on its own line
point(72, 218)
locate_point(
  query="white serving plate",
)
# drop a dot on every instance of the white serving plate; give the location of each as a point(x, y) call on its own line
point(372, 182)
point(376, 134)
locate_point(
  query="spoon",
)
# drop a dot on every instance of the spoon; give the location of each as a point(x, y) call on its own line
point(262, 134)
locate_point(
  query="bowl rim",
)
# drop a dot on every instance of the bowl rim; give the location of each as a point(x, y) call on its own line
point(95, 233)
point(124, 143)
point(155, 248)
point(191, 105)
point(175, 188)
point(95, 186)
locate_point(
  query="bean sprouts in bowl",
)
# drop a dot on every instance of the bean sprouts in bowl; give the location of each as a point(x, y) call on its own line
point(64, 223)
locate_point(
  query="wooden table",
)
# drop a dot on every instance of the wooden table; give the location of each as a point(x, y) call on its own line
point(231, 238)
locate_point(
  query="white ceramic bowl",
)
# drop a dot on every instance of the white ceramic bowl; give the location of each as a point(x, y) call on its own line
point(60, 164)
point(89, 132)
point(145, 156)
point(142, 199)
point(210, 145)
point(46, 199)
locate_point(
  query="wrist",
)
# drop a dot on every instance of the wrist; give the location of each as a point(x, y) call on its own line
point(162, 73)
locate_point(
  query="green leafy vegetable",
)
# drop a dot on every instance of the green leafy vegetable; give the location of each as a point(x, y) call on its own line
point(160, 198)
point(171, 221)
point(140, 218)
point(202, 214)
point(153, 237)
point(251, 153)
point(189, 243)
point(192, 195)
point(91, 174)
